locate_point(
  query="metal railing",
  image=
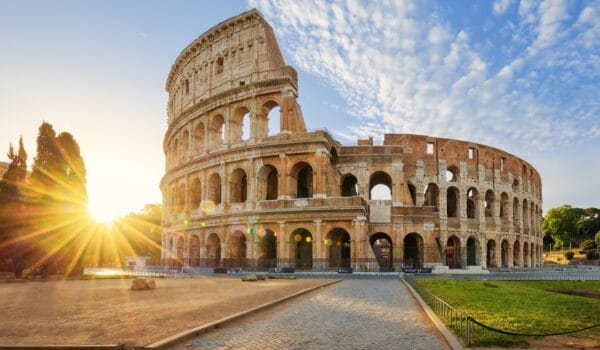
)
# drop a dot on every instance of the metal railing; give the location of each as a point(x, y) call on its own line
point(114, 271)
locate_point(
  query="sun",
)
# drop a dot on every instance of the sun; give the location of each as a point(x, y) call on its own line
point(102, 214)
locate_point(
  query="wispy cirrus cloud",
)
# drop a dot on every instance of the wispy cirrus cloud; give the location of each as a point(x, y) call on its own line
point(408, 67)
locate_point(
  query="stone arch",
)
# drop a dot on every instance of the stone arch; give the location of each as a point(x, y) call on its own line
point(516, 253)
point(214, 188)
point(516, 222)
point(272, 112)
point(302, 174)
point(181, 198)
point(238, 186)
point(490, 203)
point(515, 185)
point(473, 251)
point(382, 246)
point(195, 194)
point(491, 254)
point(432, 196)
point(413, 250)
point(179, 252)
point(174, 151)
point(453, 255)
point(452, 174)
point(236, 246)
point(302, 247)
point(505, 249)
point(268, 182)
point(267, 248)
point(504, 202)
point(349, 186)
point(240, 125)
point(338, 248)
point(472, 207)
point(526, 254)
point(532, 255)
point(198, 135)
point(217, 130)
point(194, 250)
point(213, 250)
point(452, 202)
point(525, 217)
point(380, 186)
point(185, 145)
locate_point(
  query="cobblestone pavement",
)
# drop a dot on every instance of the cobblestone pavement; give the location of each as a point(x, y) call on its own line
point(352, 314)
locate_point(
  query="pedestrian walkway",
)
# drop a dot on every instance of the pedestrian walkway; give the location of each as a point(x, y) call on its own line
point(352, 314)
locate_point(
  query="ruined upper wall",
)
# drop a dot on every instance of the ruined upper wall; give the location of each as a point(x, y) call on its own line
point(237, 52)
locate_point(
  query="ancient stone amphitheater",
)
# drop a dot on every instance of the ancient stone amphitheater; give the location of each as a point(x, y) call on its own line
point(247, 185)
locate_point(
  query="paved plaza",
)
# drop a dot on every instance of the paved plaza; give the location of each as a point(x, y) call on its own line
point(352, 314)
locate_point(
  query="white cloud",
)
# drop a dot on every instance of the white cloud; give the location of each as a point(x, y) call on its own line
point(403, 68)
point(501, 6)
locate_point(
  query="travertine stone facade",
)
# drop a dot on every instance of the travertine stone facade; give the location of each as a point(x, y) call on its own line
point(246, 185)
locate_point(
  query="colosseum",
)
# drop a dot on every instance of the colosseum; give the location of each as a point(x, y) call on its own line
point(247, 185)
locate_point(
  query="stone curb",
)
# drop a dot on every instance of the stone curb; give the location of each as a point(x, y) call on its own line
point(194, 332)
point(65, 347)
point(451, 339)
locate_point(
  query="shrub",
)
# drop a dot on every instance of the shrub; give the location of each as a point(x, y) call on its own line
point(569, 255)
point(588, 244)
point(592, 254)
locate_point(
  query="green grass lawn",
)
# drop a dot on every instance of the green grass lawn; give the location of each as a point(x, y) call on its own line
point(520, 306)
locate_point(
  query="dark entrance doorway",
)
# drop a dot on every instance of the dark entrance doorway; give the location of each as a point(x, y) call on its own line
point(338, 245)
point(413, 250)
point(303, 239)
point(453, 252)
point(472, 253)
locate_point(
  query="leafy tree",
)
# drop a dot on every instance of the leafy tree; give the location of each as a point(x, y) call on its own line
point(587, 245)
point(597, 238)
point(561, 224)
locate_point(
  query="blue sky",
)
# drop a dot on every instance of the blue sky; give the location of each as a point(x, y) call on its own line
point(518, 75)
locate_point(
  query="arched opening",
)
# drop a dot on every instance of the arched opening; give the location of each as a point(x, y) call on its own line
point(199, 137)
point(338, 248)
point(238, 186)
point(246, 124)
point(526, 254)
point(525, 221)
point(303, 174)
point(240, 125)
point(490, 199)
point(491, 254)
point(303, 253)
point(273, 112)
point(472, 196)
point(380, 186)
point(214, 188)
point(515, 185)
point(194, 251)
point(185, 145)
point(179, 253)
point(195, 194)
point(267, 248)
point(382, 248)
point(532, 253)
point(413, 250)
point(175, 151)
point(181, 198)
point(472, 251)
point(452, 206)
point(504, 256)
point(267, 183)
point(516, 254)
point(516, 222)
point(412, 191)
point(503, 205)
point(217, 130)
point(453, 252)
point(349, 186)
point(452, 174)
point(237, 249)
point(432, 196)
point(213, 250)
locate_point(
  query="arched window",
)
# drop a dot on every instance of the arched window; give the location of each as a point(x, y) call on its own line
point(217, 130)
point(452, 174)
point(246, 125)
point(516, 222)
point(503, 204)
point(303, 248)
point(412, 190)
point(432, 196)
point(195, 194)
point(380, 186)
point(181, 198)
point(213, 250)
point(214, 188)
point(413, 250)
point(238, 186)
point(273, 113)
point(490, 200)
point(338, 243)
point(194, 252)
point(199, 137)
point(349, 186)
point(472, 210)
point(268, 183)
point(303, 174)
point(185, 144)
point(240, 125)
point(452, 207)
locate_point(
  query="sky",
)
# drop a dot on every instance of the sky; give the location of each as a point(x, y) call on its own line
point(523, 76)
